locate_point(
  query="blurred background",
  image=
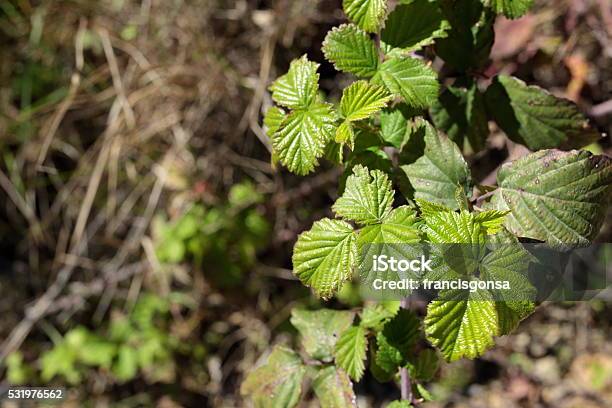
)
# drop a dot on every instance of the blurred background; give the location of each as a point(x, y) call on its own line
point(145, 239)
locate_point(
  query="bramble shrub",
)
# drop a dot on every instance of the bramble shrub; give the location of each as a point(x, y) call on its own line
point(397, 125)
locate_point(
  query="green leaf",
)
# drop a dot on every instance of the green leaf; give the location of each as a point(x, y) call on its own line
point(471, 36)
point(334, 389)
point(351, 351)
point(425, 366)
point(324, 257)
point(534, 117)
point(511, 8)
point(412, 26)
point(510, 262)
point(367, 198)
point(361, 100)
point(395, 341)
point(298, 88)
point(273, 119)
point(375, 315)
point(278, 383)
point(351, 50)
point(345, 134)
point(126, 366)
point(393, 127)
point(462, 323)
point(461, 114)
point(302, 137)
point(399, 404)
point(391, 238)
point(411, 79)
point(492, 221)
point(557, 197)
point(367, 14)
point(320, 329)
point(437, 174)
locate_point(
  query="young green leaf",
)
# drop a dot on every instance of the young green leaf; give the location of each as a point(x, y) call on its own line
point(412, 26)
point(367, 14)
point(334, 389)
point(351, 50)
point(273, 119)
point(534, 117)
point(510, 262)
point(302, 137)
point(391, 237)
point(367, 198)
point(345, 135)
point(278, 383)
point(395, 341)
point(320, 329)
point(511, 8)
point(376, 314)
point(461, 114)
point(361, 100)
point(299, 86)
point(462, 323)
point(351, 351)
point(555, 196)
point(437, 174)
point(424, 367)
point(492, 221)
point(324, 257)
point(409, 78)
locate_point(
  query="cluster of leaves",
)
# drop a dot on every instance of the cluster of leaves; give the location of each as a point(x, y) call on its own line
point(129, 344)
point(397, 124)
point(334, 349)
point(223, 237)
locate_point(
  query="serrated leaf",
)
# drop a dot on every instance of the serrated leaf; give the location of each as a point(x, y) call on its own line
point(278, 383)
point(557, 197)
point(324, 257)
point(461, 114)
point(367, 197)
point(301, 139)
point(425, 366)
point(511, 8)
point(534, 117)
point(396, 340)
point(510, 262)
point(376, 314)
point(492, 221)
point(351, 50)
point(346, 135)
point(351, 351)
point(320, 329)
point(397, 235)
point(334, 389)
point(298, 88)
point(459, 239)
point(471, 36)
point(360, 100)
point(462, 323)
point(393, 127)
point(409, 78)
point(273, 119)
point(437, 174)
point(367, 14)
point(412, 26)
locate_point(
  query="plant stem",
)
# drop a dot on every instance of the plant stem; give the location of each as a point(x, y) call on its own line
point(405, 386)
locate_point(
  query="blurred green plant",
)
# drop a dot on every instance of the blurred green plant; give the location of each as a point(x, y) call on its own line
point(223, 240)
